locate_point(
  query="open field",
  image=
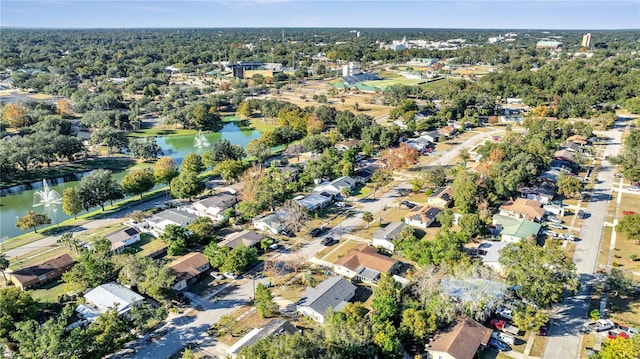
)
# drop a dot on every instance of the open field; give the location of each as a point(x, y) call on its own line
point(390, 81)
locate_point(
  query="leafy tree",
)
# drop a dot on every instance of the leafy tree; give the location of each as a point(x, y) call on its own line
point(71, 202)
point(400, 157)
point(621, 348)
point(69, 241)
point(48, 340)
point(542, 274)
point(630, 226)
point(186, 185)
point(418, 324)
point(192, 163)
point(15, 115)
point(387, 339)
point(15, 306)
point(146, 149)
point(385, 299)
point(296, 346)
point(201, 229)
point(92, 268)
point(349, 332)
point(67, 147)
point(137, 182)
point(109, 332)
point(527, 317)
point(569, 186)
point(230, 170)
point(173, 233)
point(445, 218)
point(472, 225)
point(258, 149)
point(165, 170)
point(265, 306)
point(32, 220)
point(217, 255)
point(244, 110)
point(296, 215)
point(620, 283)
point(239, 259)
point(465, 192)
point(316, 143)
point(435, 177)
point(97, 188)
point(109, 137)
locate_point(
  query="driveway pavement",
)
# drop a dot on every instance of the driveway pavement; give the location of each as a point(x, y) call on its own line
point(564, 339)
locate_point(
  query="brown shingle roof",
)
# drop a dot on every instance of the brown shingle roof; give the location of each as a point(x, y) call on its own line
point(30, 275)
point(462, 339)
point(186, 267)
point(367, 257)
point(530, 208)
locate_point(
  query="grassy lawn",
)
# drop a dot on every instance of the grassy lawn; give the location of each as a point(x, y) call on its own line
point(242, 327)
point(623, 251)
point(339, 252)
point(522, 343)
point(625, 309)
point(539, 343)
point(49, 292)
point(630, 202)
point(419, 197)
point(390, 81)
point(603, 254)
point(392, 214)
point(361, 192)
point(588, 341)
point(153, 246)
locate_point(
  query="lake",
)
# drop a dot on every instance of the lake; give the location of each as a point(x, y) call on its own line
point(16, 205)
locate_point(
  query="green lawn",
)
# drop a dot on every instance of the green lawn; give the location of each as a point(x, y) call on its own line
point(50, 292)
point(386, 82)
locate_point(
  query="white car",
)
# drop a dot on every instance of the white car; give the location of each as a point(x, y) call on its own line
point(634, 189)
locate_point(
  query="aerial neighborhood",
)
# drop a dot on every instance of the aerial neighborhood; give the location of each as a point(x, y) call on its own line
point(319, 193)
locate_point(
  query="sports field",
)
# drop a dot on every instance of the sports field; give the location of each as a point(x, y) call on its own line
point(390, 81)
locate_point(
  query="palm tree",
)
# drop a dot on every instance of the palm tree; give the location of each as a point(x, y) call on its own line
point(367, 217)
point(4, 264)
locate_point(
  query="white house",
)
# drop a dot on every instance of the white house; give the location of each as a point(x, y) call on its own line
point(335, 187)
point(216, 205)
point(314, 201)
point(333, 293)
point(108, 296)
point(170, 216)
point(122, 238)
point(422, 216)
point(270, 222)
point(364, 264)
point(383, 237)
point(489, 251)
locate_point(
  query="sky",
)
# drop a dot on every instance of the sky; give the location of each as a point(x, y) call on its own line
point(475, 14)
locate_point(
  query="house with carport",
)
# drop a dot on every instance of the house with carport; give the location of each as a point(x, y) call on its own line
point(188, 269)
point(334, 292)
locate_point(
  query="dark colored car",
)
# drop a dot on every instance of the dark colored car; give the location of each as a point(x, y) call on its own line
point(544, 331)
point(408, 204)
point(317, 231)
point(328, 241)
point(496, 344)
point(287, 232)
point(581, 214)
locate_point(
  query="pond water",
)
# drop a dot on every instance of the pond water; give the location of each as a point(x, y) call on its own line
point(16, 205)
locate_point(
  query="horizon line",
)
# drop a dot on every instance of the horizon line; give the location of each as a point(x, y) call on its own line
point(17, 27)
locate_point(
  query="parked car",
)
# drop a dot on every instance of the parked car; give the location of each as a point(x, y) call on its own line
point(555, 225)
point(317, 231)
point(217, 275)
point(628, 213)
point(553, 219)
point(182, 299)
point(544, 330)
point(503, 326)
point(627, 330)
point(287, 232)
point(498, 345)
point(409, 205)
point(505, 338)
point(550, 233)
point(600, 325)
point(505, 313)
point(634, 189)
point(328, 241)
point(617, 334)
point(581, 214)
point(231, 275)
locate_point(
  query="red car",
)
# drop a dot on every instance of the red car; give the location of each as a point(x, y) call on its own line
point(498, 323)
point(628, 213)
point(614, 335)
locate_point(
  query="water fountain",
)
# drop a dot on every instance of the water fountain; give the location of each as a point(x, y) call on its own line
point(200, 142)
point(49, 199)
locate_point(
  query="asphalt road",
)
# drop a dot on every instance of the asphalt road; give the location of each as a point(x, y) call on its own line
point(564, 339)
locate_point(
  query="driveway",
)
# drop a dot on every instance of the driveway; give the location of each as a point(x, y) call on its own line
point(564, 338)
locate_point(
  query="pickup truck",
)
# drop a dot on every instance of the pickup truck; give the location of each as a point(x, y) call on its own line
point(509, 339)
point(600, 325)
point(503, 326)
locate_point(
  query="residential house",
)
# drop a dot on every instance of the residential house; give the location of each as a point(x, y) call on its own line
point(480, 167)
point(215, 206)
point(272, 328)
point(461, 340)
point(422, 216)
point(431, 136)
point(514, 229)
point(420, 144)
point(314, 201)
point(577, 139)
point(270, 222)
point(346, 145)
point(563, 155)
point(122, 238)
point(447, 131)
point(489, 251)
point(565, 166)
point(108, 296)
point(169, 216)
point(363, 174)
point(550, 176)
point(383, 237)
point(247, 238)
point(333, 293)
point(543, 193)
point(364, 264)
point(523, 208)
point(40, 273)
point(188, 268)
point(335, 187)
point(442, 197)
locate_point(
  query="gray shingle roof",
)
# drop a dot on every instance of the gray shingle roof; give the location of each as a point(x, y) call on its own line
point(390, 231)
point(175, 215)
point(328, 294)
